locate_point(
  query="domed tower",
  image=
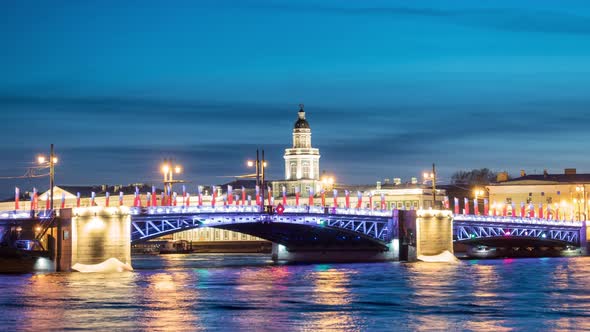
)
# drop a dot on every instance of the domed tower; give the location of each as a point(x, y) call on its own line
point(302, 162)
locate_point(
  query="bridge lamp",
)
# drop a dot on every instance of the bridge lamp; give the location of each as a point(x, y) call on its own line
point(177, 169)
point(165, 169)
point(250, 163)
point(41, 159)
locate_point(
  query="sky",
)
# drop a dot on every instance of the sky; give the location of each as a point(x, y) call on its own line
point(389, 87)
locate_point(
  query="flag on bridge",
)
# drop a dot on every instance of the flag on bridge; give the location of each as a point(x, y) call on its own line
point(63, 200)
point(249, 200)
point(154, 196)
point(200, 192)
point(106, 199)
point(34, 200)
point(531, 210)
point(359, 202)
point(258, 195)
point(297, 196)
point(47, 201)
point(148, 200)
point(446, 202)
point(213, 195)
point(78, 199)
point(335, 197)
point(540, 211)
point(120, 198)
point(504, 210)
point(466, 201)
point(243, 196)
point(323, 197)
point(16, 197)
point(347, 198)
point(284, 196)
point(230, 195)
point(456, 205)
point(269, 196)
point(310, 196)
point(382, 201)
point(486, 207)
point(370, 200)
point(136, 201)
point(188, 199)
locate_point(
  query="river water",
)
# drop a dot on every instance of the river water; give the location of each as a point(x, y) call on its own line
point(249, 292)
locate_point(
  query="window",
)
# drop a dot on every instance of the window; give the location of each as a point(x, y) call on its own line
point(305, 169)
point(293, 171)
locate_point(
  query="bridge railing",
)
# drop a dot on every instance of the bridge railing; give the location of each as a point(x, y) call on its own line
point(517, 220)
point(155, 210)
point(26, 214)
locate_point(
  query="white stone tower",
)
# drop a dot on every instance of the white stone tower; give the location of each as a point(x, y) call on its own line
point(302, 162)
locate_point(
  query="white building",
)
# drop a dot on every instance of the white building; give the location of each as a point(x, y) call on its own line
point(302, 161)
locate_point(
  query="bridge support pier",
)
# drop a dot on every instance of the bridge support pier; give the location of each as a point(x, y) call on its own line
point(425, 233)
point(584, 245)
point(95, 239)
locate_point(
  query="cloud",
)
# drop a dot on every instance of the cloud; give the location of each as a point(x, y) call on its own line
point(521, 20)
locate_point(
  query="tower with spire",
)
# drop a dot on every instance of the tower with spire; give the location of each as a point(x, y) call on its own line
point(302, 161)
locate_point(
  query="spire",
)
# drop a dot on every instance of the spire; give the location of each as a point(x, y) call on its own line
point(301, 111)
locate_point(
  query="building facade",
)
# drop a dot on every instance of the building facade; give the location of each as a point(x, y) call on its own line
point(302, 161)
point(564, 194)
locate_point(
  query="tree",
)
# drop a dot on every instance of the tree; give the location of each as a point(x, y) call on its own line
point(480, 176)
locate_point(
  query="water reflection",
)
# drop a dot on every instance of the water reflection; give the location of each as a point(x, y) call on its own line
point(169, 302)
point(219, 293)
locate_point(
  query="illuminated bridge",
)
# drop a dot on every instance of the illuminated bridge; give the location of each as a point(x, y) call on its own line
point(294, 227)
point(506, 231)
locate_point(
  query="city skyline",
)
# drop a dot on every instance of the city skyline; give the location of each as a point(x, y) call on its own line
point(389, 88)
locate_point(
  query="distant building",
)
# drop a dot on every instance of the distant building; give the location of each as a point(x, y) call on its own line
point(302, 161)
point(567, 192)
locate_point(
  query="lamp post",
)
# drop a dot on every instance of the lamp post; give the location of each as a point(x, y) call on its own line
point(168, 169)
point(478, 192)
point(581, 199)
point(49, 163)
point(327, 182)
point(432, 176)
point(260, 170)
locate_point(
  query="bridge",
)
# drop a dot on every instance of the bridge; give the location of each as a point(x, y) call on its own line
point(303, 231)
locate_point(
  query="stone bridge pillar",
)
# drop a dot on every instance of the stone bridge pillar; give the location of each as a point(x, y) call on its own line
point(425, 233)
point(584, 232)
point(94, 237)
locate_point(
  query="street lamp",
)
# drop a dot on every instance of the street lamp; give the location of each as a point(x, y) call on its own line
point(327, 181)
point(478, 192)
point(50, 162)
point(168, 169)
point(260, 167)
point(432, 177)
point(580, 199)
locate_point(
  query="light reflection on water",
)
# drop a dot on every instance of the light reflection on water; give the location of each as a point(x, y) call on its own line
point(231, 292)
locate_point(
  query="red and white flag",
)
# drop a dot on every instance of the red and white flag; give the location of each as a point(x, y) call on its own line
point(486, 207)
point(335, 195)
point(359, 201)
point(347, 198)
point(269, 196)
point(188, 199)
point(446, 202)
point(522, 210)
point(200, 192)
point(466, 207)
point(92, 197)
point(213, 195)
point(230, 197)
point(183, 194)
point(504, 210)
point(148, 199)
point(456, 205)
point(258, 202)
point(382, 201)
point(136, 200)
point(236, 200)
point(46, 201)
point(475, 207)
point(531, 210)
point(243, 196)
point(175, 198)
point(541, 210)
point(154, 196)
point(370, 200)
point(63, 200)
point(297, 196)
point(35, 200)
point(16, 198)
point(106, 199)
point(120, 198)
point(284, 196)
point(77, 199)
point(310, 196)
